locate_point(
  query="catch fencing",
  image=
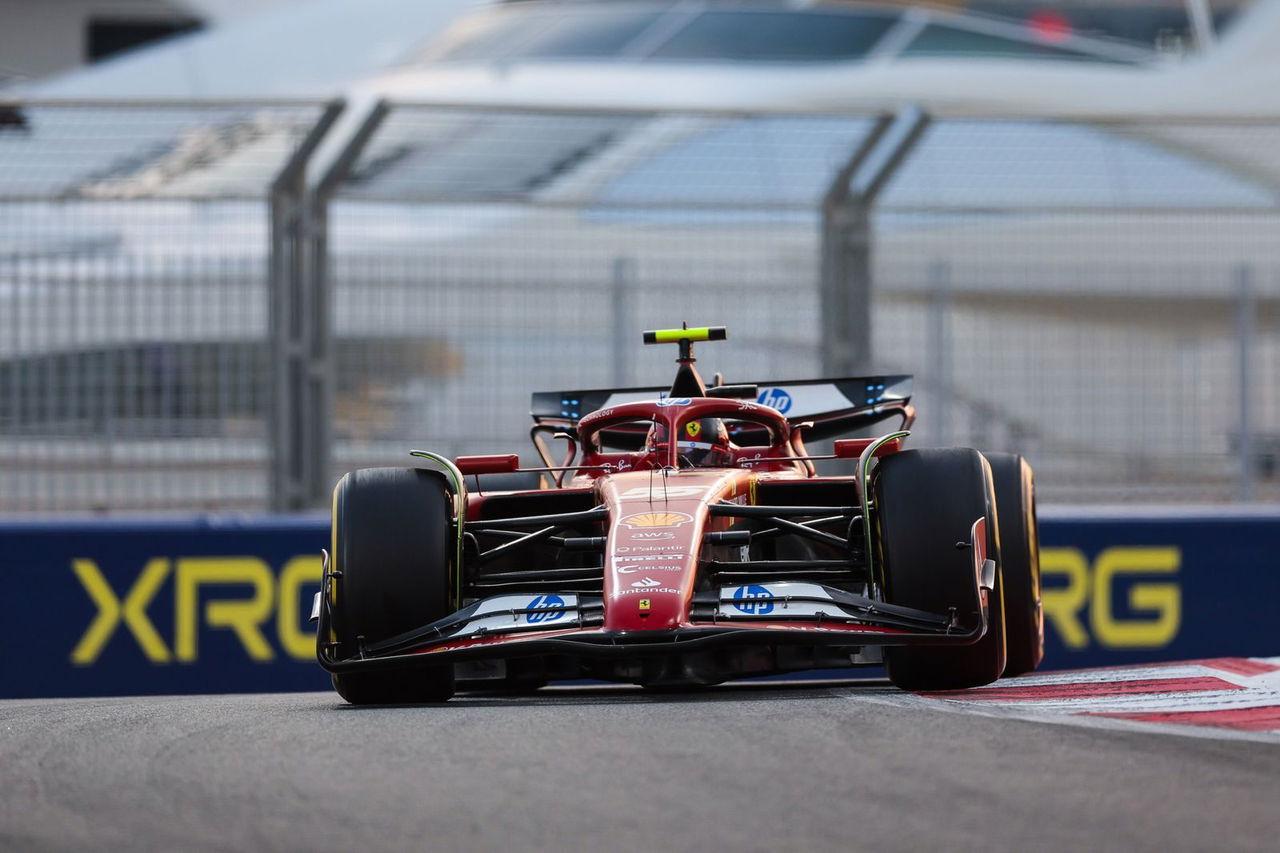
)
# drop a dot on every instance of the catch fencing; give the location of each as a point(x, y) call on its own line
point(231, 304)
point(137, 325)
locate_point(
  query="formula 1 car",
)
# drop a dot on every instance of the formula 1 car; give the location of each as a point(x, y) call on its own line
point(686, 539)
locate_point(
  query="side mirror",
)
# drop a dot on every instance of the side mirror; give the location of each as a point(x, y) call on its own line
point(734, 392)
point(851, 448)
point(503, 463)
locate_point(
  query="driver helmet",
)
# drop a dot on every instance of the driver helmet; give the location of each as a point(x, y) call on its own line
point(704, 443)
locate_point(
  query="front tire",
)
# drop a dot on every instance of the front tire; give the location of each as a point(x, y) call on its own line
point(392, 543)
point(1020, 561)
point(926, 501)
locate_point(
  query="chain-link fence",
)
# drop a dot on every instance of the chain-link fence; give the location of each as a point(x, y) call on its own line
point(1095, 295)
point(527, 251)
point(1101, 297)
point(135, 365)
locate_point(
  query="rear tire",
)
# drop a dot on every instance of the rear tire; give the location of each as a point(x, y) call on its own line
point(926, 501)
point(1020, 562)
point(392, 544)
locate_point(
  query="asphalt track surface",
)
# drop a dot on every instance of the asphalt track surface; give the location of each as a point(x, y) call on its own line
point(832, 766)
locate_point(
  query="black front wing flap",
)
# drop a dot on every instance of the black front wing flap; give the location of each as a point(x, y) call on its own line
point(816, 616)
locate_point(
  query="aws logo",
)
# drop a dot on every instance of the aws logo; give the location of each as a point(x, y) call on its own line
point(272, 599)
point(1078, 593)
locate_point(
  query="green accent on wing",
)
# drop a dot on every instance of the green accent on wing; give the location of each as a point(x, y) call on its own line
point(459, 509)
point(864, 490)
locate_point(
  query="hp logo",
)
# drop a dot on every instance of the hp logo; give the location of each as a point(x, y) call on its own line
point(545, 608)
point(775, 398)
point(755, 600)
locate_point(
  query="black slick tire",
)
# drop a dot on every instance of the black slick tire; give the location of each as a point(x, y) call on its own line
point(1020, 561)
point(392, 543)
point(925, 502)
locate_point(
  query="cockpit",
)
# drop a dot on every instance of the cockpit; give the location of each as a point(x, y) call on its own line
point(692, 425)
point(683, 433)
point(700, 443)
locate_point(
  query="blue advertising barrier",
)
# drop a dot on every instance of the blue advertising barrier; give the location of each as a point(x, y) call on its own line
point(1138, 586)
point(215, 605)
point(102, 608)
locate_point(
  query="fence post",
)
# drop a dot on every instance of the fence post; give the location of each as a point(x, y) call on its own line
point(939, 349)
point(320, 376)
point(846, 287)
point(289, 334)
point(846, 277)
point(845, 309)
point(1246, 317)
point(623, 279)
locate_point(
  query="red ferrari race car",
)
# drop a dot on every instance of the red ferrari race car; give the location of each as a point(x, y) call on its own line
point(686, 538)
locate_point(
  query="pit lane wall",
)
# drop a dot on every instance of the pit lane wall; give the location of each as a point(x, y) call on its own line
point(216, 605)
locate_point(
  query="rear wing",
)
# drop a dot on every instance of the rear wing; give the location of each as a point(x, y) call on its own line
point(834, 406)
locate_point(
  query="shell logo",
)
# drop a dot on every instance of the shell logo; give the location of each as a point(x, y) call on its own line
point(656, 519)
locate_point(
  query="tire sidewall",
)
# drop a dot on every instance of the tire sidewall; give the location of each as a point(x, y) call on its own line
point(1020, 563)
point(926, 502)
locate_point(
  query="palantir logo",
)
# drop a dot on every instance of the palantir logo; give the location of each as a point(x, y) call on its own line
point(775, 398)
point(755, 600)
point(545, 608)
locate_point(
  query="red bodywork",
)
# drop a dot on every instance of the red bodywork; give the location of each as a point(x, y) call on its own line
point(658, 509)
point(654, 514)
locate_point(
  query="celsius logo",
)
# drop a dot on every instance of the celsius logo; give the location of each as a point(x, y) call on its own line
point(775, 398)
point(753, 599)
point(545, 608)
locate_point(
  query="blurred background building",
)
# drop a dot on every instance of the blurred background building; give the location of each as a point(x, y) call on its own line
point(283, 242)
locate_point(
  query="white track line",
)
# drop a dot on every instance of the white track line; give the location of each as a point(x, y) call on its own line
point(1186, 696)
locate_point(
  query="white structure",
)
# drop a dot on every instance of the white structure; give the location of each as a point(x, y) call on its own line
point(663, 55)
point(249, 48)
point(39, 38)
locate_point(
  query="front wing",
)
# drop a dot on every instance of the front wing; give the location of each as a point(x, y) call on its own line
point(765, 614)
